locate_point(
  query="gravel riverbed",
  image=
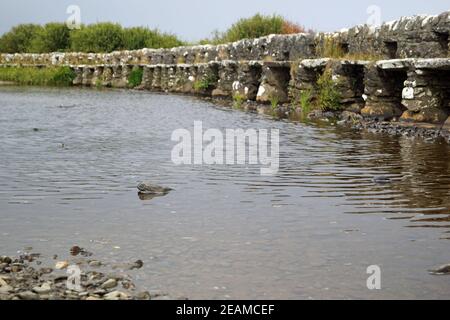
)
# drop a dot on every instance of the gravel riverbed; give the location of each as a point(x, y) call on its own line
point(25, 277)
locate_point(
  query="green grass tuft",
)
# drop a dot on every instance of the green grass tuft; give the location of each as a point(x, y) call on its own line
point(53, 76)
point(135, 77)
point(329, 97)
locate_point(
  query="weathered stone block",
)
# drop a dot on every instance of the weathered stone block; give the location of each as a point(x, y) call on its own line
point(382, 112)
point(88, 74)
point(248, 80)
point(274, 83)
point(228, 75)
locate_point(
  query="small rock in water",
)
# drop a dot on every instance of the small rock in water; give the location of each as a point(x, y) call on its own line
point(61, 265)
point(137, 265)
point(75, 250)
point(110, 283)
point(148, 188)
point(445, 269)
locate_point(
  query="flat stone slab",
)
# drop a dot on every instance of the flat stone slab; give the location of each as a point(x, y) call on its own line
point(315, 63)
point(276, 64)
point(433, 64)
point(394, 64)
point(355, 62)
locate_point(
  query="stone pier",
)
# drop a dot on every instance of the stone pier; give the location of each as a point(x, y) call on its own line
point(426, 92)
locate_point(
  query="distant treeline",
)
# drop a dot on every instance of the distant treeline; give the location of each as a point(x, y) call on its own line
point(108, 37)
point(99, 37)
point(257, 26)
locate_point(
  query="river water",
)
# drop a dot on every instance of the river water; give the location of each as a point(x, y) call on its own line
point(70, 160)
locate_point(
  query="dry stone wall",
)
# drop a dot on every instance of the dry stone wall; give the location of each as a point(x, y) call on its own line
point(408, 81)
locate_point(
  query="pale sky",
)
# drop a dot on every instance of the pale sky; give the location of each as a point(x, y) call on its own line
point(196, 19)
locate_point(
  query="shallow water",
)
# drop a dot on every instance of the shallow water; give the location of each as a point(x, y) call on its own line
point(70, 160)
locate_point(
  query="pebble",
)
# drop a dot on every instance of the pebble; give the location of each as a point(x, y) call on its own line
point(95, 264)
point(6, 260)
point(44, 289)
point(28, 295)
point(61, 265)
point(75, 250)
point(46, 270)
point(42, 284)
point(137, 264)
point(100, 291)
point(6, 289)
point(110, 283)
point(143, 295)
point(116, 295)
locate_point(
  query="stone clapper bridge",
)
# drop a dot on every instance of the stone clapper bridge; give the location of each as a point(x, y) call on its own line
point(406, 78)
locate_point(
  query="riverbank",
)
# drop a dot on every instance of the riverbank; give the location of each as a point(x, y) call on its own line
point(345, 119)
point(25, 277)
point(48, 76)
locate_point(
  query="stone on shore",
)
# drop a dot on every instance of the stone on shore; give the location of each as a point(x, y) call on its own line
point(109, 284)
point(28, 295)
point(43, 289)
point(381, 112)
point(429, 115)
point(116, 295)
point(61, 265)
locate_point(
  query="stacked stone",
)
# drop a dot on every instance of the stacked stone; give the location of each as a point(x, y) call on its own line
point(147, 77)
point(117, 79)
point(304, 76)
point(383, 91)
point(97, 77)
point(427, 92)
point(207, 75)
point(107, 76)
point(274, 83)
point(88, 74)
point(78, 76)
point(227, 76)
point(156, 82)
point(348, 77)
point(248, 80)
point(165, 77)
point(184, 79)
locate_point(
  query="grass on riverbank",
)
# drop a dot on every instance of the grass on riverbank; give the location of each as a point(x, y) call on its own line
point(135, 77)
point(54, 76)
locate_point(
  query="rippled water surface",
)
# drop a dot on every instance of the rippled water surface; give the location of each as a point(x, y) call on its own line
point(70, 161)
